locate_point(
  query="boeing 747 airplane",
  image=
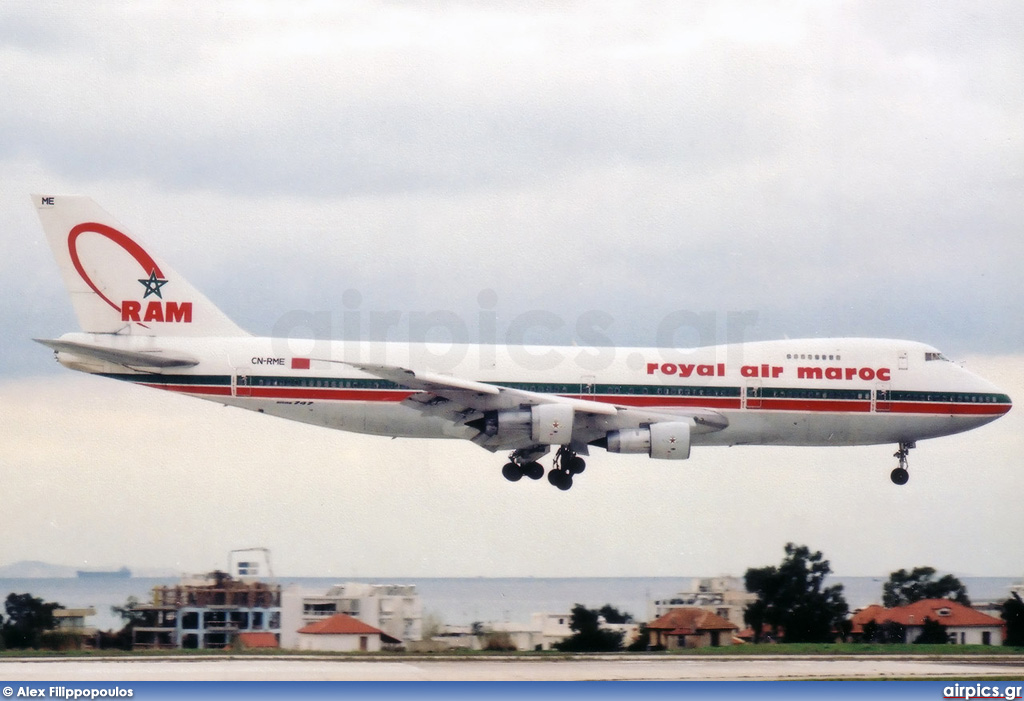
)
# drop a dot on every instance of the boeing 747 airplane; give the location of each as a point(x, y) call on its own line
point(141, 322)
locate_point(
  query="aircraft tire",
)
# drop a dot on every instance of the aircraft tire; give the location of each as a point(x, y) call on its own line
point(575, 465)
point(534, 470)
point(560, 479)
point(899, 476)
point(512, 472)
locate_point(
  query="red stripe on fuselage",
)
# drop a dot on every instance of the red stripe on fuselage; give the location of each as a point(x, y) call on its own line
point(948, 408)
point(647, 401)
point(218, 390)
point(829, 405)
point(342, 395)
point(654, 400)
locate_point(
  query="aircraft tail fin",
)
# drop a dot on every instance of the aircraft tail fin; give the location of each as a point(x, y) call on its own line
point(116, 286)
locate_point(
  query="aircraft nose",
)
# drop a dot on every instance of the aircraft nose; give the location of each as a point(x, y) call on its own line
point(1001, 402)
point(1007, 403)
point(996, 401)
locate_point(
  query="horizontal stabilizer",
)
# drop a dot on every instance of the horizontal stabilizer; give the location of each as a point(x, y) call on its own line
point(134, 359)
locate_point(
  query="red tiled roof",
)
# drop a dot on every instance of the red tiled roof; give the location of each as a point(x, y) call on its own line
point(954, 614)
point(688, 621)
point(766, 630)
point(254, 640)
point(340, 624)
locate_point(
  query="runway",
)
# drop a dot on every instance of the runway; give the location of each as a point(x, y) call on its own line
point(624, 668)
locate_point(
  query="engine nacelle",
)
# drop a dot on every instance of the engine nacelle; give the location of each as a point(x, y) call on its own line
point(546, 424)
point(552, 424)
point(666, 440)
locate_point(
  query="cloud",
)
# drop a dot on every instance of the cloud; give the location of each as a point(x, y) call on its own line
point(101, 471)
point(797, 161)
point(791, 169)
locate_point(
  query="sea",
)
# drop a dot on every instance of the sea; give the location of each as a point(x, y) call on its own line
point(463, 601)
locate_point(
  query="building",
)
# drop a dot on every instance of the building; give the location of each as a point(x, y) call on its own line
point(725, 597)
point(206, 613)
point(342, 633)
point(395, 609)
point(541, 633)
point(250, 564)
point(964, 625)
point(689, 628)
point(72, 621)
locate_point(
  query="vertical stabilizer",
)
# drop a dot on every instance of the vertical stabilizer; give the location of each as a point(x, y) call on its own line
point(116, 285)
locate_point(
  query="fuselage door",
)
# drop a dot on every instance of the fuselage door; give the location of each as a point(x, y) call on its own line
point(587, 383)
point(883, 396)
point(240, 385)
point(752, 395)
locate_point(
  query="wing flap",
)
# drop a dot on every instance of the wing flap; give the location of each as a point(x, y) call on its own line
point(481, 396)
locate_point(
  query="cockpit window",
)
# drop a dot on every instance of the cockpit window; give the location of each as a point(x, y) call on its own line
point(933, 355)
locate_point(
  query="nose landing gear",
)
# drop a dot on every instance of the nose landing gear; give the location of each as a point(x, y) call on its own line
point(900, 475)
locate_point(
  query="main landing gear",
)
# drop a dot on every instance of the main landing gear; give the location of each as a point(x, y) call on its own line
point(900, 475)
point(523, 462)
point(565, 465)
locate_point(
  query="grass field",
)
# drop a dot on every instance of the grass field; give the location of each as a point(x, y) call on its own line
point(795, 649)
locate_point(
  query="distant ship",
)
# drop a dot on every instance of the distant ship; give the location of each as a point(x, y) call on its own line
point(123, 573)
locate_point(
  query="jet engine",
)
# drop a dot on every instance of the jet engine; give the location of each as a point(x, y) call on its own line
point(545, 424)
point(666, 440)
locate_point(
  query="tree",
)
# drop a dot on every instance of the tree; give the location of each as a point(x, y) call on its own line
point(133, 618)
point(907, 587)
point(129, 613)
point(792, 599)
point(433, 625)
point(27, 619)
point(1013, 614)
point(589, 636)
point(888, 632)
point(612, 615)
point(893, 633)
point(932, 633)
point(497, 641)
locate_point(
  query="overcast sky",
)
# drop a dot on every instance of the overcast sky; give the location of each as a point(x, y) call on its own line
point(810, 169)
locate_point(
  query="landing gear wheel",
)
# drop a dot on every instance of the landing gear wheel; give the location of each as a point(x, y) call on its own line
point(534, 470)
point(900, 475)
point(560, 479)
point(512, 472)
point(523, 462)
point(574, 464)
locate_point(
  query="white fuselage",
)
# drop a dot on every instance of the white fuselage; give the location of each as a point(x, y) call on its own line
point(799, 392)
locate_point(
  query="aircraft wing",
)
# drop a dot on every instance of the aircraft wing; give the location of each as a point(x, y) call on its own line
point(467, 401)
point(154, 359)
point(481, 396)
